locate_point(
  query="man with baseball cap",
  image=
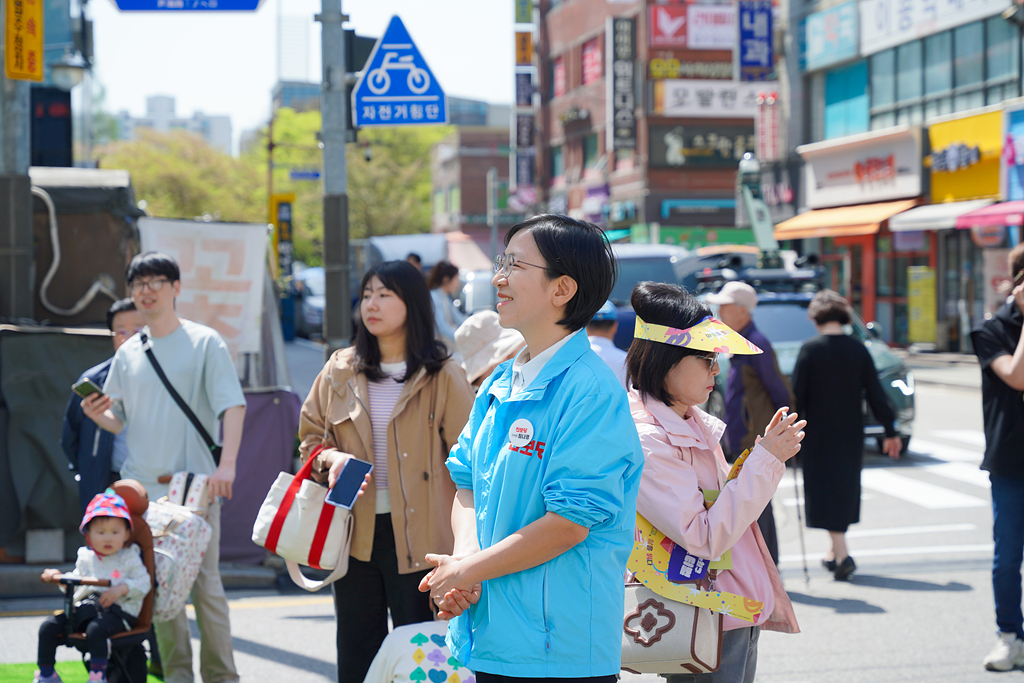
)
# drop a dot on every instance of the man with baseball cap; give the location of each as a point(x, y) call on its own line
point(755, 388)
point(601, 333)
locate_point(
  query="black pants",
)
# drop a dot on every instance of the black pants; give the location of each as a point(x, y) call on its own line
point(99, 624)
point(362, 600)
point(482, 677)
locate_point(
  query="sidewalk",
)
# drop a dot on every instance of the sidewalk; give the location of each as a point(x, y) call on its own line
point(955, 370)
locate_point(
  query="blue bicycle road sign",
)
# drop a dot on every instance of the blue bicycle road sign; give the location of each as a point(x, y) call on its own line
point(187, 5)
point(397, 87)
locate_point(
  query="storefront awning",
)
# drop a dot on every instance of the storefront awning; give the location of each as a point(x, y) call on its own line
point(935, 216)
point(998, 215)
point(841, 221)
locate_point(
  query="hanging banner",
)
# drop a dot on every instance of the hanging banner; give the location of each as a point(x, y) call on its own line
point(524, 90)
point(524, 130)
point(921, 304)
point(24, 45)
point(757, 63)
point(524, 11)
point(621, 83)
point(524, 48)
point(222, 269)
point(281, 218)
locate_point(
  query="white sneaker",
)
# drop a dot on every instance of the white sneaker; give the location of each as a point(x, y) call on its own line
point(1007, 653)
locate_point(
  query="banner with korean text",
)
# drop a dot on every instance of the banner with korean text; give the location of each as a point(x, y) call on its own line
point(222, 270)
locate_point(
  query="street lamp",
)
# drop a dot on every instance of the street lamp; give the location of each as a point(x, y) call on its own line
point(757, 212)
point(67, 72)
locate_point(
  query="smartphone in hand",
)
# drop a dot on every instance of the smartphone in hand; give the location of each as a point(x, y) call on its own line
point(346, 488)
point(86, 388)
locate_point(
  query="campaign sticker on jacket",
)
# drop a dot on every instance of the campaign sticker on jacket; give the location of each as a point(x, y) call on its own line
point(520, 433)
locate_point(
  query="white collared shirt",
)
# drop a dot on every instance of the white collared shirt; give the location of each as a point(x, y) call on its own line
point(524, 372)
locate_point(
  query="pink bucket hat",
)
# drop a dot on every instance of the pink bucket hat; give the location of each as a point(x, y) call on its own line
point(106, 504)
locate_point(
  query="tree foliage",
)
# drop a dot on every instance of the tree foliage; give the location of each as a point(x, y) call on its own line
point(389, 188)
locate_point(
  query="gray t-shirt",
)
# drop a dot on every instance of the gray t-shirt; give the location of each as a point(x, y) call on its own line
point(160, 439)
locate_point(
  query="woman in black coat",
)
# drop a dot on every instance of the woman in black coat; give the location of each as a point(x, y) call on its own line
point(834, 372)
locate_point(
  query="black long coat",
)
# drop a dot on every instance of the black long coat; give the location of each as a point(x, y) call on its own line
point(833, 374)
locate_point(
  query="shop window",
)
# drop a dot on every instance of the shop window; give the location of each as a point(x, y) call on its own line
point(558, 77)
point(590, 156)
point(592, 71)
point(883, 89)
point(557, 162)
point(938, 74)
point(455, 200)
point(968, 66)
point(846, 101)
point(1002, 60)
point(909, 70)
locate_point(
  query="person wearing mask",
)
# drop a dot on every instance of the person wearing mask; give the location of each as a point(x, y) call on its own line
point(95, 454)
point(834, 374)
point(444, 283)
point(397, 400)
point(547, 471)
point(999, 345)
point(601, 335)
point(755, 389)
point(671, 371)
point(485, 344)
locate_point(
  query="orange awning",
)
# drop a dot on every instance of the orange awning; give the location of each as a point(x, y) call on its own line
point(842, 221)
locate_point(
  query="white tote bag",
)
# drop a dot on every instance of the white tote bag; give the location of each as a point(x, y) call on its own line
point(295, 523)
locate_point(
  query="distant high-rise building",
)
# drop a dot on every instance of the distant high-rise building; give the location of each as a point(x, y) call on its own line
point(161, 117)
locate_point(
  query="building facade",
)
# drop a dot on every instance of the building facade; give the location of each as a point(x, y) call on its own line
point(161, 117)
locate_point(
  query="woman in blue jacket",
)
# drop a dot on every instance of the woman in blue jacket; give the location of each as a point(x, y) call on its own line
point(547, 471)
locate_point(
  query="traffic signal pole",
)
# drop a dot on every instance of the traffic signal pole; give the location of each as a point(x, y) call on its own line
point(337, 321)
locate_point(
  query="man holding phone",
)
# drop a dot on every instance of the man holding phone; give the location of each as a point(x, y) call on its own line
point(999, 345)
point(96, 454)
point(162, 441)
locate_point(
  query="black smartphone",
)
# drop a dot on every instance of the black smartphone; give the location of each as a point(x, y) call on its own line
point(346, 489)
point(86, 388)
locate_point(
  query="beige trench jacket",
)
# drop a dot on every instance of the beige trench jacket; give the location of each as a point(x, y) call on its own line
point(427, 419)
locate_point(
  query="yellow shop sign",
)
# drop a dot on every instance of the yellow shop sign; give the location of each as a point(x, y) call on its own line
point(965, 157)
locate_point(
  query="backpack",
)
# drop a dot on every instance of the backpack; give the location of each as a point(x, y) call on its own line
point(180, 540)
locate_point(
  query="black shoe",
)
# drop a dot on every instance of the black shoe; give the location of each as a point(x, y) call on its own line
point(829, 565)
point(845, 569)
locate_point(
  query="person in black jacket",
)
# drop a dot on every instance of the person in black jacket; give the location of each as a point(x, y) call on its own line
point(833, 374)
point(96, 454)
point(1000, 349)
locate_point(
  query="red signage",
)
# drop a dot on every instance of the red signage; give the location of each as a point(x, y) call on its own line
point(876, 170)
point(559, 77)
point(592, 70)
point(667, 25)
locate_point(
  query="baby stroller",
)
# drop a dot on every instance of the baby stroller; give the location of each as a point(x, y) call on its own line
point(128, 656)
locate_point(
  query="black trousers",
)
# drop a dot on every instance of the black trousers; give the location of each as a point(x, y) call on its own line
point(482, 677)
point(99, 624)
point(363, 597)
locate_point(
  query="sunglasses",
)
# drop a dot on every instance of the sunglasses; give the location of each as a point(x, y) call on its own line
point(711, 358)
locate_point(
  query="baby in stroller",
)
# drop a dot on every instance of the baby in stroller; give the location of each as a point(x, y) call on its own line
point(100, 611)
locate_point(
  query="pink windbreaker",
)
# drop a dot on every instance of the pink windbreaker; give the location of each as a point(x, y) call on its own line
point(680, 461)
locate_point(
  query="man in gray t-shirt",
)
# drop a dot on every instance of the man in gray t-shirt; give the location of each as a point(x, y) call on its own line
point(162, 441)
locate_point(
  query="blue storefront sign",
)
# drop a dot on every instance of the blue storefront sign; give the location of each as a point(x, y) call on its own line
point(831, 36)
point(757, 63)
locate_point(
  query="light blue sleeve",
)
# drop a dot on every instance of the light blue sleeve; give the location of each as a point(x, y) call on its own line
point(593, 458)
point(114, 386)
point(219, 378)
point(459, 462)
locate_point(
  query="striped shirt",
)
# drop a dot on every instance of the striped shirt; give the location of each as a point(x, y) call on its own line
point(383, 397)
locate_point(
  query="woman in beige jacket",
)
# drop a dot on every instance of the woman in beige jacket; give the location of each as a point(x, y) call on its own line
point(397, 400)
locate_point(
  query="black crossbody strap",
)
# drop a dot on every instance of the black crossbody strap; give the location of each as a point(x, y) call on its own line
point(207, 439)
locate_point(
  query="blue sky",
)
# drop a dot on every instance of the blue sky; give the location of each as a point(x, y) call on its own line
point(226, 63)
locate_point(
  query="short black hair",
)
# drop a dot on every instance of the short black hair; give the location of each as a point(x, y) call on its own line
point(414, 256)
point(153, 264)
point(601, 325)
point(422, 349)
point(118, 307)
point(829, 306)
point(649, 362)
point(442, 270)
point(579, 250)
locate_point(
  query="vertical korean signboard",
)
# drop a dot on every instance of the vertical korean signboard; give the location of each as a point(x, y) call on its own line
point(523, 152)
point(24, 40)
point(921, 305)
point(281, 217)
point(756, 59)
point(621, 83)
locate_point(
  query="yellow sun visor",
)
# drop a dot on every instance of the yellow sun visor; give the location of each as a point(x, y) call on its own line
point(710, 334)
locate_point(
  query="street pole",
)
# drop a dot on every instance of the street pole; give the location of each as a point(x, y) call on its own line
point(15, 193)
point(337, 322)
point(492, 216)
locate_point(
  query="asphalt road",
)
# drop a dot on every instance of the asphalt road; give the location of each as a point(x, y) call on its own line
point(919, 607)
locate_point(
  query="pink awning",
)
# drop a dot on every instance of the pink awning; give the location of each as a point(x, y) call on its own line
point(995, 216)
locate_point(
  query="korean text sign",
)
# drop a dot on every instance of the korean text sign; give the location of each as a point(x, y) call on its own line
point(888, 23)
point(757, 61)
point(832, 36)
point(24, 44)
point(222, 270)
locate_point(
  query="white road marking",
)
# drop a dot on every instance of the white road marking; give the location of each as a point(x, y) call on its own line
point(971, 437)
point(896, 552)
point(926, 495)
point(909, 530)
point(944, 452)
point(961, 471)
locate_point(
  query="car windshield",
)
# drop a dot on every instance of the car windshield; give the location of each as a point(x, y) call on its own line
point(634, 270)
point(784, 322)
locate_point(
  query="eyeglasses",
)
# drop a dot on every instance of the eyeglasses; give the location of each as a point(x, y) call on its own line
point(153, 285)
point(127, 333)
point(1017, 278)
point(503, 264)
point(710, 358)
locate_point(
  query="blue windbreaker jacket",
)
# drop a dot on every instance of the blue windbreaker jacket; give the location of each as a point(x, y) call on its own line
point(582, 460)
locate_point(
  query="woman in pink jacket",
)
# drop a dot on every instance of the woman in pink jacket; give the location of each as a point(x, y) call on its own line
point(668, 379)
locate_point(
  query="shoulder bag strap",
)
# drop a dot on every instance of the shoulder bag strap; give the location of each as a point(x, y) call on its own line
point(207, 439)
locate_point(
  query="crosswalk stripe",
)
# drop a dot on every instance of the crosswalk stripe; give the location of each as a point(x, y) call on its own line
point(943, 451)
point(960, 471)
point(894, 552)
point(971, 437)
point(910, 530)
point(921, 493)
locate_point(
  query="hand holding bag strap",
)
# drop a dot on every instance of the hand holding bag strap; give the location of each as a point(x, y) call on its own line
point(207, 439)
point(274, 534)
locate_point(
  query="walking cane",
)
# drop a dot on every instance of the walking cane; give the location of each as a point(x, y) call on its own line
point(800, 524)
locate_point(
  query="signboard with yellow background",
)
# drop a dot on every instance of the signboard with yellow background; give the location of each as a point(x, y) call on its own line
point(965, 157)
point(24, 43)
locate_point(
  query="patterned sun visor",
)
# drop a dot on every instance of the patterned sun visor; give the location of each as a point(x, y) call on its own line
point(710, 334)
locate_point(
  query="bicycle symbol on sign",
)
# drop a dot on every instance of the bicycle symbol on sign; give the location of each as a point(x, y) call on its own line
point(380, 81)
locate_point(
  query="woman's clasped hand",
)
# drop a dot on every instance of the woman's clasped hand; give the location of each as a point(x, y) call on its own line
point(783, 435)
point(443, 581)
